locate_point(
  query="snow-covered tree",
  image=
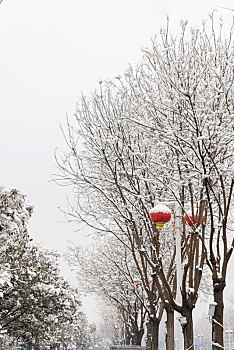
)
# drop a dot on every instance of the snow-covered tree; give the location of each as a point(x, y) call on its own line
point(164, 132)
point(34, 297)
point(107, 270)
point(112, 197)
point(110, 326)
point(183, 92)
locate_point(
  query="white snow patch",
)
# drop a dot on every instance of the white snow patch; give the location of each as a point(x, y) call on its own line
point(160, 208)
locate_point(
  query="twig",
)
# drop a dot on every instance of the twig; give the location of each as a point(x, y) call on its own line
point(226, 8)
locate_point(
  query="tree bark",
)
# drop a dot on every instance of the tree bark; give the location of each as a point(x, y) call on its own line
point(152, 334)
point(137, 337)
point(218, 316)
point(188, 329)
point(36, 345)
point(170, 329)
point(127, 340)
point(148, 339)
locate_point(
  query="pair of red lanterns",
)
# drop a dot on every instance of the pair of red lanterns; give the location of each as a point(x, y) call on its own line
point(161, 214)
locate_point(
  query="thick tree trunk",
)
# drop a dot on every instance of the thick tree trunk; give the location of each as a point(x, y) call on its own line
point(127, 340)
point(137, 337)
point(155, 334)
point(36, 345)
point(218, 317)
point(170, 329)
point(148, 339)
point(188, 330)
point(152, 335)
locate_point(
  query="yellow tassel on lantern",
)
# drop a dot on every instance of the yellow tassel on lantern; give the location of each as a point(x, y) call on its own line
point(160, 225)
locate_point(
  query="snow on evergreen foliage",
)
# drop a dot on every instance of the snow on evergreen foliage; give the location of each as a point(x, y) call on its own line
point(14, 211)
point(37, 304)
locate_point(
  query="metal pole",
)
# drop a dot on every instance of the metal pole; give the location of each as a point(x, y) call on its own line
point(212, 333)
point(166, 336)
point(178, 271)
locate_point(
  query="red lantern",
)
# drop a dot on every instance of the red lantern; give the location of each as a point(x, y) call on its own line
point(137, 284)
point(160, 214)
point(189, 220)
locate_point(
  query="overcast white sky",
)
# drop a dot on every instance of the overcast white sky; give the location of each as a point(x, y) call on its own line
point(50, 51)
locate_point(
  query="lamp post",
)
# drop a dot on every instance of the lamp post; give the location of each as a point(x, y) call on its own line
point(161, 214)
point(166, 336)
point(211, 313)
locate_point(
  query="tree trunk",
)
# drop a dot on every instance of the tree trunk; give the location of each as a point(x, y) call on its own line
point(148, 339)
point(36, 345)
point(170, 329)
point(127, 340)
point(218, 317)
point(137, 337)
point(152, 335)
point(188, 330)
